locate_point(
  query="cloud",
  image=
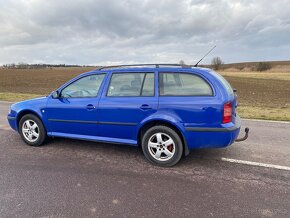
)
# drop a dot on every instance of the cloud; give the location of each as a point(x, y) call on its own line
point(130, 31)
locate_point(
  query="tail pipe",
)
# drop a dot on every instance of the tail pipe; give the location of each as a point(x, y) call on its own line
point(247, 130)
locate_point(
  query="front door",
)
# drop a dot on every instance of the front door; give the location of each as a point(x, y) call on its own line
point(75, 111)
point(129, 97)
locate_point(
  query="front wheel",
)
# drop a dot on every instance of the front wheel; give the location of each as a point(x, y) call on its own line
point(162, 146)
point(32, 130)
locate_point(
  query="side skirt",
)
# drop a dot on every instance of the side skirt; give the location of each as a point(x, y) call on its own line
point(93, 138)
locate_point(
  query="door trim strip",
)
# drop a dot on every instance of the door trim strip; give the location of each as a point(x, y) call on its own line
point(93, 122)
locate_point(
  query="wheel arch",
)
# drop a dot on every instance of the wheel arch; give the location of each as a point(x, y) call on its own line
point(25, 112)
point(147, 125)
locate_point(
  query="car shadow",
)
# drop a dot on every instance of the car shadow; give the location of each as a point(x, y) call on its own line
point(129, 151)
point(92, 146)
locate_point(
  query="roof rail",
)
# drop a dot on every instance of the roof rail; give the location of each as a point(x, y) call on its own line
point(140, 65)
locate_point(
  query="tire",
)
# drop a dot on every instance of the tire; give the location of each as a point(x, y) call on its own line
point(158, 148)
point(32, 130)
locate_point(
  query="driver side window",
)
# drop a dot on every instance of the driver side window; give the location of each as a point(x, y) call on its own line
point(85, 87)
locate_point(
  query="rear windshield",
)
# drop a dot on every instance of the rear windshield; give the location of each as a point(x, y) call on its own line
point(225, 83)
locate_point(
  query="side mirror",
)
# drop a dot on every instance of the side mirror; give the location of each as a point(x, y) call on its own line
point(55, 94)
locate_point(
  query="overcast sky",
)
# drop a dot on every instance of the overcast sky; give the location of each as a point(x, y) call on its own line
point(139, 31)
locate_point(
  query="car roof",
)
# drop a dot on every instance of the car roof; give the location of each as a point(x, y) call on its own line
point(146, 66)
point(150, 68)
point(144, 69)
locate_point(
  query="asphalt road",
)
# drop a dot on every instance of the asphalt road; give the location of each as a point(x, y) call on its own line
point(71, 178)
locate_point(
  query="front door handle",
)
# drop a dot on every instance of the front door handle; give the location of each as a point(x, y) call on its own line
point(145, 107)
point(90, 107)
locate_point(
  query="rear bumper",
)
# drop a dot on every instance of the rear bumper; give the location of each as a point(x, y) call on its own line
point(212, 137)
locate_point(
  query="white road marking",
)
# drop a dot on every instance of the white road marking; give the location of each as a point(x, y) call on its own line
point(251, 163)
point(269, 121)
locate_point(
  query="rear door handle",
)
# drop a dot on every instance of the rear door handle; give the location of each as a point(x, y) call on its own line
point(90, 107)
point(145, 107)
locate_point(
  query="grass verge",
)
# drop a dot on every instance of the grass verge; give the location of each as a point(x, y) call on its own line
point(264, 113)
point(13, 97)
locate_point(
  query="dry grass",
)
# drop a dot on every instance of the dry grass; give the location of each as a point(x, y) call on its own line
point(12, 97)
point(263, 95)
point(258, 75)
point(264, 113)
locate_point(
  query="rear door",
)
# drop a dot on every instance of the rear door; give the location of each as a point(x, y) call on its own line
point(128, 98)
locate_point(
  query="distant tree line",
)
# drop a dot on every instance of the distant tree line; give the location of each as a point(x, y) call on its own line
point(39, 66)
point(218, 64)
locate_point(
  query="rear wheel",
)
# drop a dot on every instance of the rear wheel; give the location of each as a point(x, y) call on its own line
point(32, 130)
point(162, 146)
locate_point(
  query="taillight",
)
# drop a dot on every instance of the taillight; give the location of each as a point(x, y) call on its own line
point(228, 110)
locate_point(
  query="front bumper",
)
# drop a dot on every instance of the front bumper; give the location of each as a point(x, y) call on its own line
point(12, 122)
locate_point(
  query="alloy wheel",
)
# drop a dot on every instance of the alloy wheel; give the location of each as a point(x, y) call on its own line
point(161, 146)
point(30, 130)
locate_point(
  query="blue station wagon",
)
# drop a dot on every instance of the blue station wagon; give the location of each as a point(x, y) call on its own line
point(167, 110)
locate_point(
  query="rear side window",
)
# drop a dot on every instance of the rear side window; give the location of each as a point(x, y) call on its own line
point(131, 85)
point(183, 84)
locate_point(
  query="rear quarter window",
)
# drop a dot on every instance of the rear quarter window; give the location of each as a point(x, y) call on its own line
point(183, 84)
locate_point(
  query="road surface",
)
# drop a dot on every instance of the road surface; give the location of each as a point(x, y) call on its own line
point(71, 178)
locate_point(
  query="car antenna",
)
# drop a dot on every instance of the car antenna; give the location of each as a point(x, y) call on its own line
point(205, 56)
